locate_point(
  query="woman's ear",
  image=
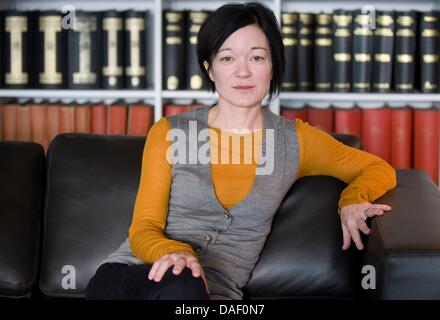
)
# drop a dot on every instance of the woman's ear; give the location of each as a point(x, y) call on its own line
point(206, 65)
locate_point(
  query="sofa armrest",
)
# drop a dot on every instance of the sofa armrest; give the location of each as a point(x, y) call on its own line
point(404, 245)
point(349, 139)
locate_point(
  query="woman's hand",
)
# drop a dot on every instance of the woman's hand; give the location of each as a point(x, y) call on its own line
point(353, 219)
point(179, 260)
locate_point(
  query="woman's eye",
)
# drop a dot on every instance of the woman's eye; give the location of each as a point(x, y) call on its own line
point(258, 58)
point(226, 59)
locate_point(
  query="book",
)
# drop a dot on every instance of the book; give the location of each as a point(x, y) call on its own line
point(140, 119)
point(383, 43)
point(321, 115)
point(348, 119)
point(401, 131)
point(117, 119)
point(84, 47)
point(51, 49)
point(323, 52)
point(306, 25)
point(362, 52)
point(174, 49)
point(99, 119)
point(135, 49)
point(342, 48)
point(289, 27)
point(194, 78)
point(112, 50)
point(429, 38)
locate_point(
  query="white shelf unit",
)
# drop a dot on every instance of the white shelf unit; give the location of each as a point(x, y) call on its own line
point(157, 96)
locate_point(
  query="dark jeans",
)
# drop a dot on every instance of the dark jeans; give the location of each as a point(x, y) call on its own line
point(121, 281)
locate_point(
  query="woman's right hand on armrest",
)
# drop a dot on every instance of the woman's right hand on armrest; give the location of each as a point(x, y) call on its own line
point(179, 260)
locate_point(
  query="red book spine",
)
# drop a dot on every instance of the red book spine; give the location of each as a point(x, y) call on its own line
point(426, 141)
point(99, 119)
point(321, 118)
point(67, 119)
point(53, 121)
point(82, 119)
point(9, 122)
point(401, 138)
point(24, 132)
point(117, 119)
point(349, 121)
point(172, 109)
point(39, 124)
point(140, 119)
point(292, 114)
point(376, 131)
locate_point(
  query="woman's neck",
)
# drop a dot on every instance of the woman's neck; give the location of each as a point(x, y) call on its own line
point(232, 118)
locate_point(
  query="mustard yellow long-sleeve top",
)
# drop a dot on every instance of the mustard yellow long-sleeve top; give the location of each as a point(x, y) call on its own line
point(367, 175)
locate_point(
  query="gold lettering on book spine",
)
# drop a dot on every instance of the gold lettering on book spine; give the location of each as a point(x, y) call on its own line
point(135, 26)
point(85, 26)
point(112, 26)
point(50, 26)
point(16, 26)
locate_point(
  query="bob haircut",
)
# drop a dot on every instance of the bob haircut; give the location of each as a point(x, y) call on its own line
point(227, 19)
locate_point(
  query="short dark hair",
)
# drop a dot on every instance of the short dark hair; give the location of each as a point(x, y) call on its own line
point(227, 19)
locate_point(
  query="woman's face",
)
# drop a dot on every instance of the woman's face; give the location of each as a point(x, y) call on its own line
point(242, 68)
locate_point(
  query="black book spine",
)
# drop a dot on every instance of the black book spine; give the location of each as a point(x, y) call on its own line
point(135, 49)
point(173, 50)
point(84, 51)
point(383, 51)
point(323, 52)
point(194, 77)
point(305, 51)
point(342, 47)
point(289, 31)
point(362, 52)
point(404, 57)
point(15, 56)
point(50, 68)
point(429, 51)
point(112, 50)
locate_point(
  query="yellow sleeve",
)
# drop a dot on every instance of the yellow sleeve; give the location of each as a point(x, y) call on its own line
point(146, 236)
point(368, 176)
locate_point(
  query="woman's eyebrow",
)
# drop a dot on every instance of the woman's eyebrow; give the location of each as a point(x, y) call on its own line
point(253, 48)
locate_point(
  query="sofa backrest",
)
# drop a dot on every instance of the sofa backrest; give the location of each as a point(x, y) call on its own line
point(92, 185)
point(21, 198)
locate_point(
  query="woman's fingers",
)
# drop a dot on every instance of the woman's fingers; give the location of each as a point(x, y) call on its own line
point(346, 237)
point(356, 237)
point(179, 265)
point(165, 264)
point(153, 269)
point(364, 228)
point(383, 207)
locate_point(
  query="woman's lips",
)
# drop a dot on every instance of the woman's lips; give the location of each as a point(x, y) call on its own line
point(244, 88)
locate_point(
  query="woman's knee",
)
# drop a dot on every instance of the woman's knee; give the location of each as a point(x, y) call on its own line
point(183, 286)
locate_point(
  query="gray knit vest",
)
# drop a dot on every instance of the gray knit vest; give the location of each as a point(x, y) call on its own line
point(228, 241)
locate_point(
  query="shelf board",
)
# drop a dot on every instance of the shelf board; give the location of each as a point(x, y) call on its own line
point(76, 94)
point(360, 97)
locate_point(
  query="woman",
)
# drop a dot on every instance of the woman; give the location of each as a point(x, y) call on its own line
point(198, 227)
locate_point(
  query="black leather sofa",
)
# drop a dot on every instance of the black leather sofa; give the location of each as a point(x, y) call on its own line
point(63, 214)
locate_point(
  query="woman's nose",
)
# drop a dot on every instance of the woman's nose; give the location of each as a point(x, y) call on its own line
point(243, 69)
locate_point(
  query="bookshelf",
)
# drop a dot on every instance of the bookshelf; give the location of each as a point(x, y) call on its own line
point(156, 96)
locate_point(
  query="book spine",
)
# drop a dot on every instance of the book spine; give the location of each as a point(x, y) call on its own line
point(194, 77)
point(323, 52)
point(383, 51)
point(112, 50)
point(99, 119)
point(342, 47)
point(292, 114)
point(117, 119)
point(82, 119)
point(426, 142)
point(50, 38)
point(9, 121)
point(321, 118)
point(376, 131)
point(349, 121)
point(289, 28)
point(404, 57)
point(39, 124)
point(401, 138)
point(140, 119)
point(362, 52)
point(135, 49)
point(53, 118)
point(84, 52)
point(16, 47)
point(305, 51)
point(173, 49)
point(429, 51)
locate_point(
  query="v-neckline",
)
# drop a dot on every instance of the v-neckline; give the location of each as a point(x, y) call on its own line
point(256, 182)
